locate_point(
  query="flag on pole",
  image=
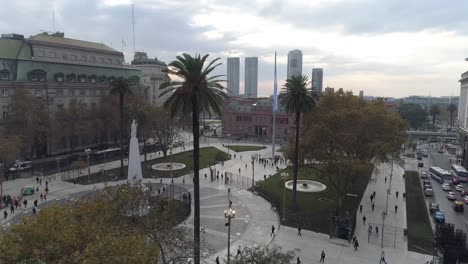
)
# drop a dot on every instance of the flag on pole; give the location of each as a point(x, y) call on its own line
point(275, 91)
point(123, 43)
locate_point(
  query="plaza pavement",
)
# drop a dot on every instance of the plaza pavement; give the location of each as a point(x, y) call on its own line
point(257, 216)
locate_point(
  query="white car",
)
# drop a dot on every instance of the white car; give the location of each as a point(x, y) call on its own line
point(459, 187)
point(446, 187)
point(451, 196)
point(423, 175)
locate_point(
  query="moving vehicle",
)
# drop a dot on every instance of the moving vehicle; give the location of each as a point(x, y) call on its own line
point(420, 164)
point(455, 181)
point(433, 207)
point(459, 187)
point(27, 190)
point(423, 175)
point(425, 153)
point(458, 206)
point(428, 192)
point(419, 156)
point(20, 166)
point(446, 187)
point(106, 153)
point(439, 217)
point(439, 174)
point(451, 196)
point(465, 199)
point(459, 172)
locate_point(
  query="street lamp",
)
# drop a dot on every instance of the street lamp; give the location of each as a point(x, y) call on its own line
point(229, 214)
point(253, 172)
point(58, 168)
point(88, 151)
point(284, 176)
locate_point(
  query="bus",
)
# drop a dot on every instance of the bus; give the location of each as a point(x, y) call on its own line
point(460, 173)
point(439, 174)
point(106, 153)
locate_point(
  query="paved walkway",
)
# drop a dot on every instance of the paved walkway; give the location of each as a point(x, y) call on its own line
point(254, 222)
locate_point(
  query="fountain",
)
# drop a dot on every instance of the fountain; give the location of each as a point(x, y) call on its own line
point(306, 186)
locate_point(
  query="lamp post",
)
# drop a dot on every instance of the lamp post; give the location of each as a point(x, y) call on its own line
point(58, 168)
point(229, 214)
point(253, 172)
point(170, 157)
point(88, 151)
point(284, 176)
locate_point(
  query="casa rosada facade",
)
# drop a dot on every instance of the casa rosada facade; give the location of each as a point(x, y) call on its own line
point(253, 118)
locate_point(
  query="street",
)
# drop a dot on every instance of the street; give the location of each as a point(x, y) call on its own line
point(440, 196)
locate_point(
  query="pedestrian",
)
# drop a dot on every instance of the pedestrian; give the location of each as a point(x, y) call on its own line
point(364, 220)
point(299, 231)
point(371, 198)
point(35, 203)
point(374, 194)
point(206, 176)
point(377, 230)
point(370, 229)
point(385, 179)
point(12, 209)
point(360, 208)
point(239, 170)
point(46, 183)
point(5, 214)
point(272, 230)
point(354, 239)
point(298, 261)
point(396, 194)
point(246, 166)
point(45, 197)
point(229, 191)
point(37, 189)
point(42, 197)
point(40, 181)
point(373, 205)
point(230, 203)
point(37, 180)
point(322, 256)
point(16, 204)
point(217, 260)
point(74, 180)
point(396, 208)
point(382, 258)
point(46, 190)
point(25, 202)
point(356, 245)
point(238, 250)
point(34, 210)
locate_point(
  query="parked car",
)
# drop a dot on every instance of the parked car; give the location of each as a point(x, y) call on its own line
point(455, 181)
point(419, 156)
point(463, 193)
point(423, 175)
point(428, 192)
point(451, 196)
point(446, 187)
point(426, 182)
point(439, 217)
point(459, 187)
point(458, 206)
point(465, 199)
point(420, 164)
point(425, 153)
point(427, 185)
point(433, 207)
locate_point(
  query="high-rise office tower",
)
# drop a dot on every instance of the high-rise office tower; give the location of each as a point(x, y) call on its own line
point(233, 76)
point(294, 63)
point(251, 77)
point(317, 79)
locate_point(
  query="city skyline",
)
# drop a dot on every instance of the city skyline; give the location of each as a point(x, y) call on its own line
point(417, 52)
point(233, 74)
point(251, 77)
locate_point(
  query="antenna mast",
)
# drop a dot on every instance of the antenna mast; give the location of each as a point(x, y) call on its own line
point(53, 19)
point(133, 24)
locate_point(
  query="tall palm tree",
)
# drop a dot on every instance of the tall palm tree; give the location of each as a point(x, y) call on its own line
point(193, 93)
point(451, 108)
point(297, 98)
point(121, 87)
point(434, 111)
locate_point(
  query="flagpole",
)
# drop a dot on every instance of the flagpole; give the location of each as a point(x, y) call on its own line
point(274, 108)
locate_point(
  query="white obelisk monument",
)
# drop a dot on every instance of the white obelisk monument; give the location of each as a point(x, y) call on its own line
point(134, 161)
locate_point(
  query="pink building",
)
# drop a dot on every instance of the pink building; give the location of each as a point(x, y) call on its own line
point(253, 117)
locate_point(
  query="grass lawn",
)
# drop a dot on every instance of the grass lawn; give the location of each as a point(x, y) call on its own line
point(208, 156)
point(419, 226)
point(240, 148)
point(314, 208)
point(409, 155)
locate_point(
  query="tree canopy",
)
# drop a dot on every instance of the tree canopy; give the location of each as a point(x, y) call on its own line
point(414, 114)
point(263, 255)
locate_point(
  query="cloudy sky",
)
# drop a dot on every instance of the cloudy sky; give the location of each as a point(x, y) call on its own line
point(386, 48)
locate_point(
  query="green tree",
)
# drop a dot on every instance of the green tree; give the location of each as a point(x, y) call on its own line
point(10, 150)
point(72, 119)
point(165, 128)
point(193, 93)
point(434, 112)
point(451, 108)
point(297, 98)
point(414, 114)
point(346, 136)
point(121, 87)
point(263, 255)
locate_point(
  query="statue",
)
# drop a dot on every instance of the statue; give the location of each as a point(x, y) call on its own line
point(134, 161)
point(134, 128)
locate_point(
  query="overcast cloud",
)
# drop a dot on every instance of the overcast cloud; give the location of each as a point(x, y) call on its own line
point(386, 48)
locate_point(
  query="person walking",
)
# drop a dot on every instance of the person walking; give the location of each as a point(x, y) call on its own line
point(396, 194)
point(35, 203)
point(42, 197)
point(373, 205)
point(360, 208)
point(396, 208)
point(272, 230)
point(25, 202)
point(5, 214)
point(217, 260)
point(239, 251)
point(374, 194)
point(299, 231)
point(377, 230)
point(34, 210)
point(298, 261)
point(12, 209)
point(364, 220)
point(230, 203)
point(356, 245)
point(45, 197)
point(322, 257)
point(371, 197)
point(385, 179)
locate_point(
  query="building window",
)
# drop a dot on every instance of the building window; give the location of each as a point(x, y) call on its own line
point(103, 92)
point(60, 107)
point(37, 92)
point(84, 58)
point(59, 77)
point(92, 59)
point(5, 111)
point(101, 60)
point(51, 54)
point(117, 61)
point(73, 57)
point(71, 92)
point(37, 75)
point(71, 78)
point(109, 60)
point(92, 79)
point(59, 92)
point(40, 53)
point(111, 79)
point(4, 75)
point(102, 79)
point(65, 56)
point(83, 92)
point(134, 80)
point(82, 78)
point(92, 92)
point(4, 92)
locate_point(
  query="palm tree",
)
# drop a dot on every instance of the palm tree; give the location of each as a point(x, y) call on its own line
point(193, 93)
point(121, 87)
point(451, 108)
point(297, 98)
point(434, 111)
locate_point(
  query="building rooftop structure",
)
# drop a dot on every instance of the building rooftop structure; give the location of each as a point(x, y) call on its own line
point(59, 40)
